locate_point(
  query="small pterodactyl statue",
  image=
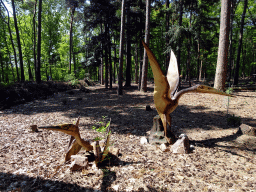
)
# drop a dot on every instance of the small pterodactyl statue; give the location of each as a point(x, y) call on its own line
point(166, 96)
point(76, 143)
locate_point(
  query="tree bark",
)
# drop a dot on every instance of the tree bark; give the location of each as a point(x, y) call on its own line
point(240, 44)
point(128, 47)
point(136, 64)
point(38, 63)
point(179, 41)
point(22, 76)
point(34, 36)
point(167, 3)
point(145, 58)
point(14, 51)
point(71, 37)
point(110, 64)
point(221, 69)
point(121, 52)
point(231, 57)
point(106, 54)
point(140, 48)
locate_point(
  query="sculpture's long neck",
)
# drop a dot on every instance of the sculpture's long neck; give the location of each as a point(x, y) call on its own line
point(83, 143)
point(181, 92)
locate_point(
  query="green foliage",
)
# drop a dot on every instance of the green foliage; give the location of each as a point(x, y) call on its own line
point(229, 90)
point(199, 35)
point(101, 127)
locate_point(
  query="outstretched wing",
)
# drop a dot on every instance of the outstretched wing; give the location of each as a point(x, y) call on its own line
point(173, 73)
point(161, 84)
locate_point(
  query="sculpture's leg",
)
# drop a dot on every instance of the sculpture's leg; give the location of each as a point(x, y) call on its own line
point(73, 150)
point(169, 133)
point(70, 141)
point(164, 121)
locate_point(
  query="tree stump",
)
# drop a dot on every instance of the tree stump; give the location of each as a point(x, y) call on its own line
point(157, 131)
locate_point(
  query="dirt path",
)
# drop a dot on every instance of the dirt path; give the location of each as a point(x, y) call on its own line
point(222, 160)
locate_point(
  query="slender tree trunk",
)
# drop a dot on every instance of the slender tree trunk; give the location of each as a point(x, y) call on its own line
point(136, 64)
point(221, 69)
point(167, 36)
point(34, 35)
point(106, 54)
point(2, 67)
point(114, 72)
point(244, 61)
point(145, 58)
point(231, 57)
point(14, 51)
point(110, 64)
point(179, 41)
point(10, 61)
point(18, 41)
point(140, 47)
point(121, 52)
point(38, 63)
point(71, 37)
point(101, 59)
point(27, 57)
point(240, 44)
point(128, 47)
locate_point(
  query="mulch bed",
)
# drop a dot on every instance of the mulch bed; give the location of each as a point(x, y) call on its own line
point(222, 160)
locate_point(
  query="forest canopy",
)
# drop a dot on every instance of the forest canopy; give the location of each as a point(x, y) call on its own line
point(64, 40)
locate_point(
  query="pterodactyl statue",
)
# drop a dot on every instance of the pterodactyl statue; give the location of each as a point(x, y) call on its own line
point(166, 96)
point(76, 142)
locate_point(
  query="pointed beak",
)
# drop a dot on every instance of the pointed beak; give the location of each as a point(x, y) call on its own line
point(65, 128)
point(54, 128)
point(207, 89)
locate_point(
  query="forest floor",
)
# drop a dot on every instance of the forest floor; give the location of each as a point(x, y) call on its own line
point(222, 160)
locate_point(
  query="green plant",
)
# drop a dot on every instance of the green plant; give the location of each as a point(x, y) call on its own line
point(251, 82)
point(102, 128)
point(74, 82)
point(69, 77)
point(229, 90)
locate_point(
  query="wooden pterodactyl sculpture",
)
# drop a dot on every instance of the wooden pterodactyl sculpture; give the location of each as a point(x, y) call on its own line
point(76, 143)
point(166, 96)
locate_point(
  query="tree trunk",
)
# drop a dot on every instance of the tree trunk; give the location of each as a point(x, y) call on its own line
point(110, 64)
point(128, 47)
point(145, 58)
point(240, 44)
point(231, 57)
point(179, 41)
point(136, 64)
point(38, 63)
point(101, 59)
point(10, 61)
point(121, 52)
point(2, 67)
point(34, 35)
point(14, 51)
point(114, 72)
point(22, 76)
point(221, 69)
point(106, 54)
point(71, 37)
point(140, 47)
point(167, 36)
